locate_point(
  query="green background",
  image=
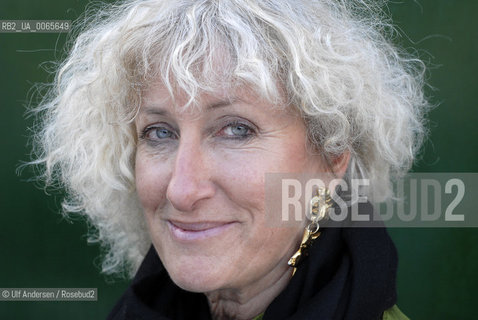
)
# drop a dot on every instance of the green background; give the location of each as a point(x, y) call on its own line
point(438, 268)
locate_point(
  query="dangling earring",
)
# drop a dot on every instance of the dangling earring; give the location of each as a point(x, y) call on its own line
point(319, 205)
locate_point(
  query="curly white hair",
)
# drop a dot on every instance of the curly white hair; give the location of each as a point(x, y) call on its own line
point(333, 60)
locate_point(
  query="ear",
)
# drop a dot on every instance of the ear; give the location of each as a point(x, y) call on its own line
point(340, 164)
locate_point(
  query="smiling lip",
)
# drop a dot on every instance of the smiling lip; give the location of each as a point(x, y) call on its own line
point(198, 230)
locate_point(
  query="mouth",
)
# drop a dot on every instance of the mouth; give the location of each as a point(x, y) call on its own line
point(198, 230)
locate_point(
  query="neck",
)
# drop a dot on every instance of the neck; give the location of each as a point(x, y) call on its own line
point(247, 303)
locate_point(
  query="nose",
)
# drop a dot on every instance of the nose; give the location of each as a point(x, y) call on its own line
point(190, 181)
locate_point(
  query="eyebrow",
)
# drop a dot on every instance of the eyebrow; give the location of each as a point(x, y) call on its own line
point(221, 104)
point(154, 110)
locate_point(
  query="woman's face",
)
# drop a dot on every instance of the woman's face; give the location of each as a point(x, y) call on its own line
point(200, 177)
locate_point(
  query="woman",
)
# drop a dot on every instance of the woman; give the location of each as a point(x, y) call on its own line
point(166, 118)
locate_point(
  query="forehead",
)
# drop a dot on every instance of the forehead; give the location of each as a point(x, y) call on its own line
point(158, 96)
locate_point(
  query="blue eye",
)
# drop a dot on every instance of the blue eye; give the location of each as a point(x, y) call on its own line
point(240, 130)
point(154, 133)
point(237, 130)
point(162, 133)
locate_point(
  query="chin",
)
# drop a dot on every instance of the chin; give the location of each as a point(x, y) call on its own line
point(195, 276)
point(195, 283)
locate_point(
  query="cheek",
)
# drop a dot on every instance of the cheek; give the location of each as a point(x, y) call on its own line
point(241, 176)
point(151, 182)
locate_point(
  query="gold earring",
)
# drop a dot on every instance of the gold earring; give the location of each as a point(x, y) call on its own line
point(319, 205)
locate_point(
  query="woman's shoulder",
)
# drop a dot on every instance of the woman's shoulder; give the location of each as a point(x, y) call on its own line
point(394, 314)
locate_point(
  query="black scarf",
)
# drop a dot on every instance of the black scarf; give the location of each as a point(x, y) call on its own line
point(349, 274)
